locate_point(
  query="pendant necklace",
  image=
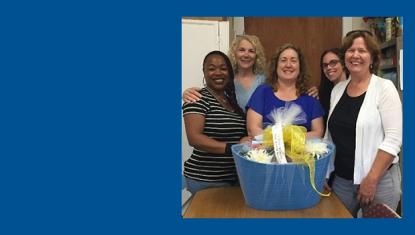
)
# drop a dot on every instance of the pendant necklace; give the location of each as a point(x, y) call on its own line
point(223, 101)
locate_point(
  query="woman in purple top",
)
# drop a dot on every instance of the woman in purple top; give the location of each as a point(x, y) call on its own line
point(287, 83)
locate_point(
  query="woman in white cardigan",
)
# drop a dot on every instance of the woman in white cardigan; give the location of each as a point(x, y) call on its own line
point(365, 124)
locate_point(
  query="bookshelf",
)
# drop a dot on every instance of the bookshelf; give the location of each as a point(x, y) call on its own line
point(390, 61)
point(390, 69)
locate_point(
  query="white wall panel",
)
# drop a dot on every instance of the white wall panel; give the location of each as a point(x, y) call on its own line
point(199, 37)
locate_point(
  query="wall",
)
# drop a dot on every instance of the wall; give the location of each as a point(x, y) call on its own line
point(358, 23)
point(205, 18)
point(198, 38)
point(349, 23)
point(312, 34)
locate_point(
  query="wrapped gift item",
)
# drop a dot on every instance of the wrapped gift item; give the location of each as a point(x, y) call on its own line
point(286, 171)
point(274, 186)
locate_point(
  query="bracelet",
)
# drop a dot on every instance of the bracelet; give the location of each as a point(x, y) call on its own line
point(228, 150)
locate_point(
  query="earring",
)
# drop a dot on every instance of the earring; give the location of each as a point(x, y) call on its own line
point(371, 66)
point(204, 81)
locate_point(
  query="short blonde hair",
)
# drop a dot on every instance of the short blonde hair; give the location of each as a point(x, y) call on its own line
point(260, 65)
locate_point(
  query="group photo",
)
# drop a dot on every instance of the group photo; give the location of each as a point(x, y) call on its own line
point(292, 117)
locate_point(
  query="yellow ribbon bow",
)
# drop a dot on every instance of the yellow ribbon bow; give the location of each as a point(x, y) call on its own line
point(294, 143)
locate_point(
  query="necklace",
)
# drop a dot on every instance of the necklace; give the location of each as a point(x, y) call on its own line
point(222, 100)
point(217, 97)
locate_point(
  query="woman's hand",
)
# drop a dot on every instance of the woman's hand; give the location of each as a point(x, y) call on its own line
point(313, 91)
point(367, 190)
point(246, 139)
point(327, 188)
point(369, 184)
point(191, 95)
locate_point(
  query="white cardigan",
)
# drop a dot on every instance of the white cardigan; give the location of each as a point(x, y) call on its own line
point(379, 124)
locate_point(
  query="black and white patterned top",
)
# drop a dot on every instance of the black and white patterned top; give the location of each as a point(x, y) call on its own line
point(221, 125)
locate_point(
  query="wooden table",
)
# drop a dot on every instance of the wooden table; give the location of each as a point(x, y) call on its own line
point(228, 202)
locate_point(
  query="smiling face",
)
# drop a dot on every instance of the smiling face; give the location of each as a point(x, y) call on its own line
point(245, 55)
point(332, 67)
point(357, 57)
point(216, 72)
point(288, 67)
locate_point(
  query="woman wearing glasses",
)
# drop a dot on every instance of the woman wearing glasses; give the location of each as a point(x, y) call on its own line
point(365, 124)
point(333, 71)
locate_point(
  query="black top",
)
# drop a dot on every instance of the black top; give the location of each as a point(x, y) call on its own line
point(326, 87)
point(221, 125)
point(342, 127)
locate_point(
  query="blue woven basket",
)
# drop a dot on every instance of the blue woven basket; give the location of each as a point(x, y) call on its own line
point(279, 186)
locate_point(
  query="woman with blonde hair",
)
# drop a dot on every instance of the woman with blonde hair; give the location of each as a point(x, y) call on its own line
point(249, 65)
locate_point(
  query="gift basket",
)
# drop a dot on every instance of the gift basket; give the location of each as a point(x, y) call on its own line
point(283, 170)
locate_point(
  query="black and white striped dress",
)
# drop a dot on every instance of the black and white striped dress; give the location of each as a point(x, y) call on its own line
point(221, 125)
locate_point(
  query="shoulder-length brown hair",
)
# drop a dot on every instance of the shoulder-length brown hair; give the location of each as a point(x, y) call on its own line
point(371, 44)
point(303, 77)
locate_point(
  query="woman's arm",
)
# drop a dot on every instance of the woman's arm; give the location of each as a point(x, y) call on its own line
point(369, 184)
point(254, 123)
point(317, 128)
point(191, 95)
point(194, 124)
point(390, 109)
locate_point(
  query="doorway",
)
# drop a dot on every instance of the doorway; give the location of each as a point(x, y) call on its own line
point(312, 34)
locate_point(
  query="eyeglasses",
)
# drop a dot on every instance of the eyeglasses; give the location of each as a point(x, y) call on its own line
point(359, 31)
point(332, 63)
